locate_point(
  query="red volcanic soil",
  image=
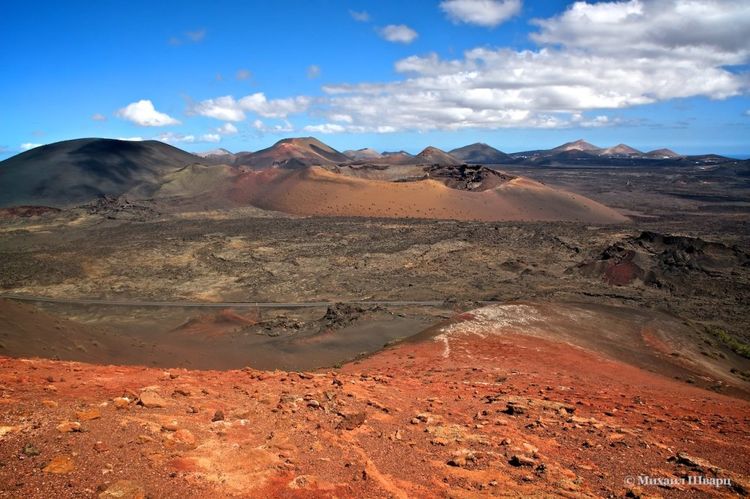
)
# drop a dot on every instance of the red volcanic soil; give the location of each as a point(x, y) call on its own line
point(462, 413)
point(316, 191)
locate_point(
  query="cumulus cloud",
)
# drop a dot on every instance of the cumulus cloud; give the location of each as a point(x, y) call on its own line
point(592, 57)
point(262, 127)
point(178, 138)
point(227, 129)
point(590, 60)
point(712, 31)
point(29, 145)
point(362, 16)
point(489, 13)
point(243, 74)
point(98, 117)
point(227, 108)
point(143, 113)
point(325, 128)
point(398, 33)
point(313, 71)
point(131, 139)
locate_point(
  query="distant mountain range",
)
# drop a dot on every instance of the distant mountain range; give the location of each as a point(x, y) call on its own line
point(308, 151)
point(76, 171)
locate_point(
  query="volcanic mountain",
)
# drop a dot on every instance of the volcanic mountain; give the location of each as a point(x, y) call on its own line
point(578, 145)
point(76, 171)
point(293, 153)
point(620, 150)
point(472, 193)
point(366, 154)
point(479, 153)
point(663, 154)
point(434, 156)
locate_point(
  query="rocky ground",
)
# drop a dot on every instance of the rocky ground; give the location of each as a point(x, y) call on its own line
point(614, 365)
point(495, 414)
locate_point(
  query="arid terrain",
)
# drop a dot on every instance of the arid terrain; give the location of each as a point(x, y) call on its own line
point(166, 345)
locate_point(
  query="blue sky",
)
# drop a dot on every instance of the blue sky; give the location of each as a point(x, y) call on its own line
point(517, 75)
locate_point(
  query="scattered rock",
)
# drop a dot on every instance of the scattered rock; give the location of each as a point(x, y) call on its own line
point(121, 402)
point(124, 489)
point(30, 450)
point(218, 416)
point(184, 436)
point(462, 458)
point(69, 426)
point(170, 426)
point(60, 465)
point(351, 421)
point(520, 460)
point(100, 446)
point(50, 403)
point(151, 400)
point(89, 414)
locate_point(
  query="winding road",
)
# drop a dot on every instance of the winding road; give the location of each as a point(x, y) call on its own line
point(227, 304)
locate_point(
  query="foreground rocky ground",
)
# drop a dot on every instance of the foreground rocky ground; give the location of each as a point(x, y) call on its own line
point(469, 409)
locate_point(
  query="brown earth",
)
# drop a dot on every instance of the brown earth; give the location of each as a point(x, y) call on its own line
point(476, 407)
point(315, 191)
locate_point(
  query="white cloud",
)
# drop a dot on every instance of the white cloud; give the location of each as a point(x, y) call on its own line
point(243, 74)
point(275, 108)
point(747, 113)
point(603, 56)
point(227, 129)
point(489, 13)
point(262, 127)
point(362, 16)
point(29, 145)
point(398, 33)
point(178, 138)
point(98, 117)
point(591, 59)
point(228, 109)
point(712, 31)
point(313, 71)
point(222, 108)
point(197, 35)
point(325, 128)
point(131, 139)
point(143, 113)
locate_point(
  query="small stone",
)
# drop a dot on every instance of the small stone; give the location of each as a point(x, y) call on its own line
point(121, 402)
point(218, 416)
point(100, 446)
point(30, 450)
point(313, 403)
point(182, 390)
point(170, 426)
point(124, 489)
point(151, 400)
point(351, 421)
point(519, 460)
point(462, 458)
point(60, 465)
point(50, 403)
point(69, 426)
point(89, 414)
point(184, 436)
